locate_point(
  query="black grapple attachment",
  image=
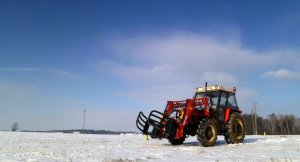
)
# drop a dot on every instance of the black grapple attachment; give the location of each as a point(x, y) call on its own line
point(156, 120)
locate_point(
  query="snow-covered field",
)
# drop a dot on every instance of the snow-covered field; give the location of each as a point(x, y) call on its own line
point(21, 146)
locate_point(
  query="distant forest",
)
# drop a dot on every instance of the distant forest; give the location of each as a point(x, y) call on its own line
point(273, 124)
point(83, 131)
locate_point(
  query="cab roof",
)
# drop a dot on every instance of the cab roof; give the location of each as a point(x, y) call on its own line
point(214, 88)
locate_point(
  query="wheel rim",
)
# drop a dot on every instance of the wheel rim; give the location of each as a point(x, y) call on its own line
point(210, 133)
point(238, 129)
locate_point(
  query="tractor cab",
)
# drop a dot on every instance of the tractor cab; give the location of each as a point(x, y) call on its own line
point(219, 99)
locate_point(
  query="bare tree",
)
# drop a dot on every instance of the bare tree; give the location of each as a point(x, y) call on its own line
point(15, 126)
point(273, 119)
point(273, 124)
point(291, 122)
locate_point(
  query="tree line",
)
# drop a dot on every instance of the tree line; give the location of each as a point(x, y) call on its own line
point(273, 124)
point(83, 131)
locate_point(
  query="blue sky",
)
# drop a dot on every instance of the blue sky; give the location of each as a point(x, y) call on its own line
point(115, 58)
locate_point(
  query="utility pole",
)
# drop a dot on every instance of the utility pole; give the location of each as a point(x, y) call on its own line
point(253, 123)
point(84, 118)
point(254, 118)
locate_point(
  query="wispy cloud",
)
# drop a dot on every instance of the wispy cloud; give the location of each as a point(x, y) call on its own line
point(219, 78)
point(65, 74)
point(19, 69)
point(57, 72)
point(282, 74)
point(14, 92)
point(162, 65)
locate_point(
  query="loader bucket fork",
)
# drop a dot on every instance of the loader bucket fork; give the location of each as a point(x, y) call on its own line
point(142, 123)
point(156, 119)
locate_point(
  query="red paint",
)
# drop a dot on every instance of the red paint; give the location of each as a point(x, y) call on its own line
point(190, 105)
point(227, 114)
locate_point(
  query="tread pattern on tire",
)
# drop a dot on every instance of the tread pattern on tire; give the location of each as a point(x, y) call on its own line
point(201, 132)
point(230, 137)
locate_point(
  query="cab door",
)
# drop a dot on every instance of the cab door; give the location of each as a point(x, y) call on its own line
point(231, 103)
point(223, 105)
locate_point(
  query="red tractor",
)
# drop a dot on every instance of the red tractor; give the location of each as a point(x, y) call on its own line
point(213, 111)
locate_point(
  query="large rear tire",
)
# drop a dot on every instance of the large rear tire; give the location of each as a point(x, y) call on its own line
point(207, 132)
point(235, 129)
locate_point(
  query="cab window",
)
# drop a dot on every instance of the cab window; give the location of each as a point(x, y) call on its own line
point(213, 97)
point(223, 99)
point(232, 101)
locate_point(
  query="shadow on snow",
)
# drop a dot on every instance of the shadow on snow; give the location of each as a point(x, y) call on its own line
point(218, 142)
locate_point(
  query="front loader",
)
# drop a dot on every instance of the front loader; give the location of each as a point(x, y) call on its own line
point(212, 111)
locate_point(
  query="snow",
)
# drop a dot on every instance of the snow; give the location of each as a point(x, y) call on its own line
point(24, 146)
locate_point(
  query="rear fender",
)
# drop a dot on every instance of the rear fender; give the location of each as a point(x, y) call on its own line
point(228, 111)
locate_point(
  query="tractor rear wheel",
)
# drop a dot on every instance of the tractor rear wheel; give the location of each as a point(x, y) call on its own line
point(207, 132)
point(235, 129)
point(177, 141)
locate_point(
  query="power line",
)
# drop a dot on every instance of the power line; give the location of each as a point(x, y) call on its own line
point(295, 63)
point(280, 62)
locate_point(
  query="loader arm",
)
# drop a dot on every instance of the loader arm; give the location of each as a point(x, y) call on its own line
point(190, 108)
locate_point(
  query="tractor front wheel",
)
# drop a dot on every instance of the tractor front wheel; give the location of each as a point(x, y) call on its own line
point(207, 132)
point(235, 129)
point(177, 141)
